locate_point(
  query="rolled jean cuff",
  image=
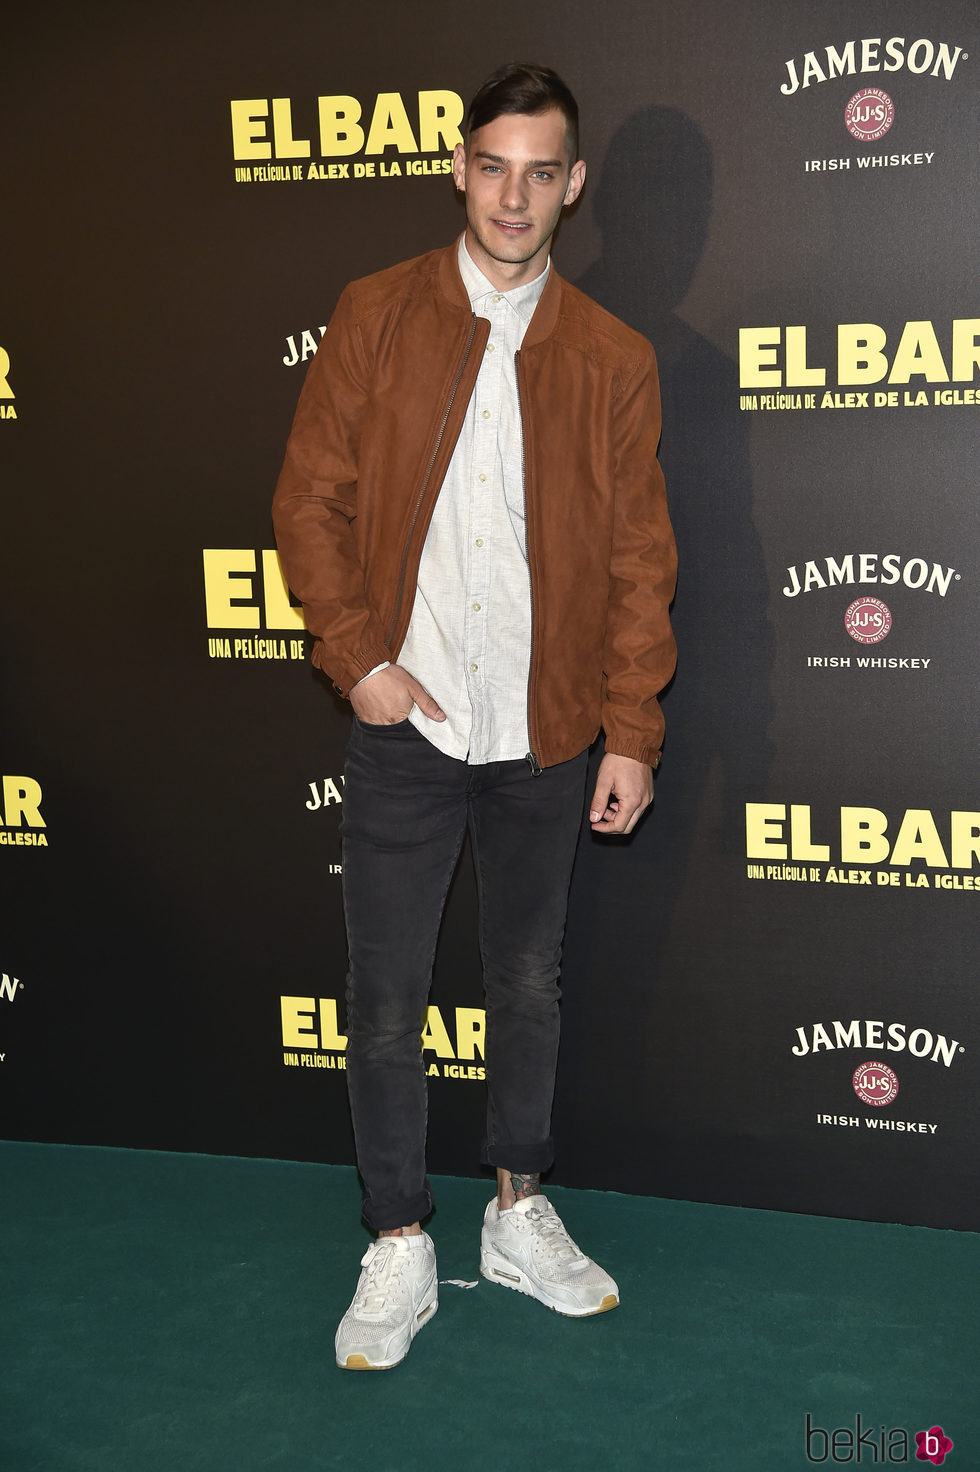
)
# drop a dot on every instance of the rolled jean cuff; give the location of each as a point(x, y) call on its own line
point(385, 1216)
point(525, 1159)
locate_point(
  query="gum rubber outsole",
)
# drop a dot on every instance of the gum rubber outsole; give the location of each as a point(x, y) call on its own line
point(521, 1285)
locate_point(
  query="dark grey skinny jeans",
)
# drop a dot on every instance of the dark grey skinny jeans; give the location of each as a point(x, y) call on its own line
point(406, 809)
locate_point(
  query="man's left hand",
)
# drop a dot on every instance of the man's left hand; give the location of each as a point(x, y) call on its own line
point(623, 791)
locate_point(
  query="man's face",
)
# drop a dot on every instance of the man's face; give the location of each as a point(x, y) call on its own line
point(516, 175)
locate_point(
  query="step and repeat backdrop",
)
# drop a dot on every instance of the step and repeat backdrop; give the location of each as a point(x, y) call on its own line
point(770, 990)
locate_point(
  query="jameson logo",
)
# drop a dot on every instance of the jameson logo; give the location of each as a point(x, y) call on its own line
point(869, 567)
point(871, 55)
point(305, 348)
point(870, 1036)
point(325, 792)
point(9, 987)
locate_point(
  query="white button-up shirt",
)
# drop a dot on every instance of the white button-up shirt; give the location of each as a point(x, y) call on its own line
point(469, 639)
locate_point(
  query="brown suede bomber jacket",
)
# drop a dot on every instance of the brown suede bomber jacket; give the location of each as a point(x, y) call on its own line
point(374, 431)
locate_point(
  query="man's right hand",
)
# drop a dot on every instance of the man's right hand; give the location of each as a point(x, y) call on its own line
point(386, 698)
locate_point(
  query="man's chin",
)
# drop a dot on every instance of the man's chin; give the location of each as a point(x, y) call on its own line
point(511, 250)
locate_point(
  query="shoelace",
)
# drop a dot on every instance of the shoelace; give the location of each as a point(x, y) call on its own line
point(380, 1275)
point(551, 1229)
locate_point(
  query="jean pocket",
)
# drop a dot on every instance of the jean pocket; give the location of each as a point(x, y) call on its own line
point(388, 726)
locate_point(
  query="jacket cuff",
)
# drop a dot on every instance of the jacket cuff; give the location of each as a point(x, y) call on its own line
point(344, 675)
point(636, 750)
point(376, 671)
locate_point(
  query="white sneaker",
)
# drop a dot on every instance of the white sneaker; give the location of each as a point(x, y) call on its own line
point(528, 1248)
point(397, 1293)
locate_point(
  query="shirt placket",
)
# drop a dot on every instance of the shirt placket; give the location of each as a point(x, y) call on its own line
point(483, 471)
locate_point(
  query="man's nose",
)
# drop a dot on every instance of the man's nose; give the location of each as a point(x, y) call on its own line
point(514, 193)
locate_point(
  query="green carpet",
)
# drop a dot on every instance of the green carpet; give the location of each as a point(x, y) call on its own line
point(170, 1313)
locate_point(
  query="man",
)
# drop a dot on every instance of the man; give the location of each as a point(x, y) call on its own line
point(472, 513)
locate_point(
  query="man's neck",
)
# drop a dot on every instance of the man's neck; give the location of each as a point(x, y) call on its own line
point(505, 275)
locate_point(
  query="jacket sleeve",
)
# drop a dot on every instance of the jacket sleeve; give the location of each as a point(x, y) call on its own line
point(639, 652)
point(315, 505)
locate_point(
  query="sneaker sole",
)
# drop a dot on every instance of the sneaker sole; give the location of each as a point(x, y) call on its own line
point(501, 1270)
point(361, 1362)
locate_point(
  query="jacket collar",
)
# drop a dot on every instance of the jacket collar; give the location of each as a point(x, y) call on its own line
point(545, 313)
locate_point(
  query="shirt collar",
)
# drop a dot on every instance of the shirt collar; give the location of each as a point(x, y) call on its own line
point(523, 299)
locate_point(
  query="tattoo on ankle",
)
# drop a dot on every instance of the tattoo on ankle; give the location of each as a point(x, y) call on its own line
point(525, 1185)
point(393, 1232)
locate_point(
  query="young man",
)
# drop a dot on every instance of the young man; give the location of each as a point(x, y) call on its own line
point(472, 513)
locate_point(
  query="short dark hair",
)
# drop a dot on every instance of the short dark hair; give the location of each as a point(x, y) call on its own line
point(524, 87)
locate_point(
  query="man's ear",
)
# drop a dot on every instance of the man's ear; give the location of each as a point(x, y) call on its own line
point(576, 182)
point(459, 167)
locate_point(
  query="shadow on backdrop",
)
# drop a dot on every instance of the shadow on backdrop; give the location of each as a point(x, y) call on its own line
point(653, 206)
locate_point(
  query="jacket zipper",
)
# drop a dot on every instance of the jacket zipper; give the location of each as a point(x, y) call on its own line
point(428, 473)
point(531, 758)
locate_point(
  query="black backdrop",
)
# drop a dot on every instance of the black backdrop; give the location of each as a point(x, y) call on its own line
point(173, 785)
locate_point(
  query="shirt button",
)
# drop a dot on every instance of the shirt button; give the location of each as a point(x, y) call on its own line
point(474, 668)
point(486, 413)
point(479, 541)
point(476, 608)
point(491, 347)
point(482, 479)
point(495, 299)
